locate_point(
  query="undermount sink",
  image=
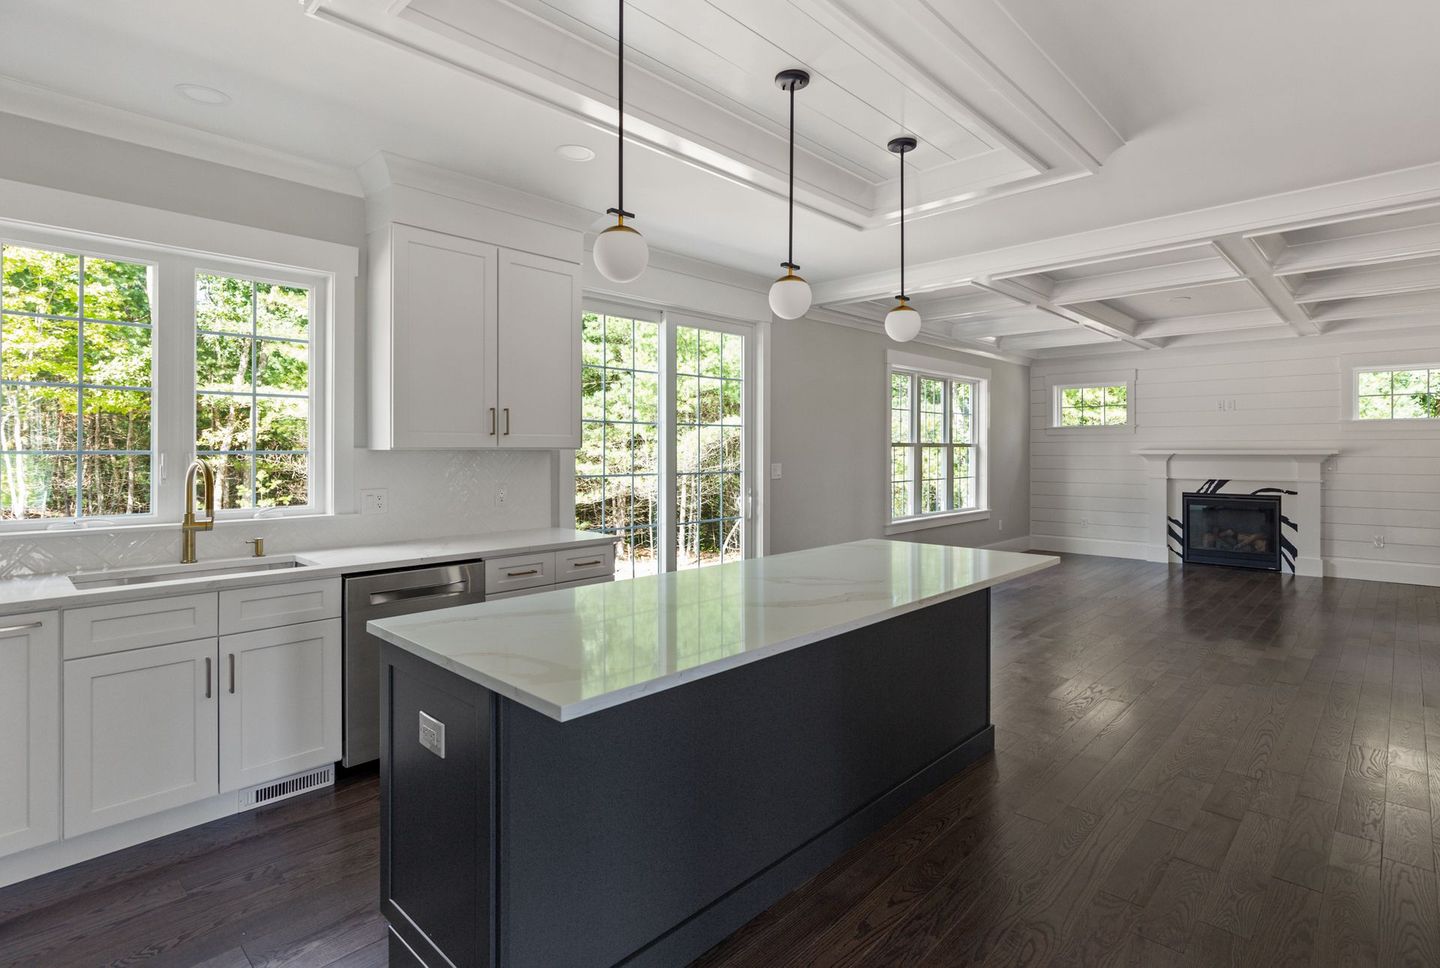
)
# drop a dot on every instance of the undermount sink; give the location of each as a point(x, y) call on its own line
point(205, 569)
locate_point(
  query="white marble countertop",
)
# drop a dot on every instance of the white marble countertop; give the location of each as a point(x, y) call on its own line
point(571, 652)
point(39, 592)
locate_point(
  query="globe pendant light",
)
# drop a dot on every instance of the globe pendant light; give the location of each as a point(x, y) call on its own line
point(620, 252)
point(902, 323)
point(790, 295)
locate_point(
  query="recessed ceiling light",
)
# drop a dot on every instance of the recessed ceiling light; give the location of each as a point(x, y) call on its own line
point(201, 94)
point(575, 153)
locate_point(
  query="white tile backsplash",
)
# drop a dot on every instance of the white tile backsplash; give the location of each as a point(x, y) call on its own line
point(432, 494)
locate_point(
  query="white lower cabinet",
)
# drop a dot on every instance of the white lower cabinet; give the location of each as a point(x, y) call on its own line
point(141, 733)
point(279, 702)
point(29, 731)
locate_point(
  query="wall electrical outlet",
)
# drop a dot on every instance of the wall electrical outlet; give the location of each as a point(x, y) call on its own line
point(502, 494)
point(1379, 541)
point(774, 472)
point(999, 524)
point(374, 501)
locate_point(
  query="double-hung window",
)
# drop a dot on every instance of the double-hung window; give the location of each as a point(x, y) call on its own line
point(936, 444)
point(93, 427)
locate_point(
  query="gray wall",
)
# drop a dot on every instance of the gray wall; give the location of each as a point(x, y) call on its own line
point(828, 428)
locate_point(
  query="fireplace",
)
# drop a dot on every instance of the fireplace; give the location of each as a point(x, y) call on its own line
point(1233, 529)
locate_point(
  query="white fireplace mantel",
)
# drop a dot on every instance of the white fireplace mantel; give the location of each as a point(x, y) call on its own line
point(1301, 466)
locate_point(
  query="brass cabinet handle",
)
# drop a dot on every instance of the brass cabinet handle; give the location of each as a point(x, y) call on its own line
point(207, 677)
point(587, 564)
point(232, 673)
point(507, 421)
point(492, 421)
point(9, 629)
point(522, 574)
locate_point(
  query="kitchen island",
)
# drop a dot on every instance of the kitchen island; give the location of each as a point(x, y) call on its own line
point(624, 774)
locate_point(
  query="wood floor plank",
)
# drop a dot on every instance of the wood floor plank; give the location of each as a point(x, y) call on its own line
point(1195, 766)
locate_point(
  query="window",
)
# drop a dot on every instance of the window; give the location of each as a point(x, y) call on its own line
point(94, 430)
point(617, 469)
point(934, 444)
point(76, 345)
point(1097, 405)
point(1408, 394)
point(662, 463)
point(253, 390)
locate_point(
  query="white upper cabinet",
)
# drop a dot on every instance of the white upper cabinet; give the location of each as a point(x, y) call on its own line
point(433, 340)
point(29, 731)
point(471, 344)
point(539, 351)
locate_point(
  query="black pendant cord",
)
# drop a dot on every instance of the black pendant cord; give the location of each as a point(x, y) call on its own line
point(902, 225)
point(619, 208)
point(790, 250)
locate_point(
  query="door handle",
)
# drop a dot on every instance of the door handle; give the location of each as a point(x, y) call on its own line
point(207, 677)
point(10, 629)
point(429, 591)
point(507, 421)
point(492, 422)
point(232, 673)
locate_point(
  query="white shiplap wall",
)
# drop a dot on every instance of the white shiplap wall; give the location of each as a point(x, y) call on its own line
point(1088, 489)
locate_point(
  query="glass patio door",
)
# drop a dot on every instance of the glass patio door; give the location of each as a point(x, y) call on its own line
point(664, 460)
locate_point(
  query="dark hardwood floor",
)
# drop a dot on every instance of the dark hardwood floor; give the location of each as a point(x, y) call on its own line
point(1198, 767)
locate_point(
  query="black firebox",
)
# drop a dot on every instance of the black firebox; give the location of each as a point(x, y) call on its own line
point(1242, 530)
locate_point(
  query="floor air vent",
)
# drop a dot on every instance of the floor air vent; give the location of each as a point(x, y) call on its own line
point(291, 786)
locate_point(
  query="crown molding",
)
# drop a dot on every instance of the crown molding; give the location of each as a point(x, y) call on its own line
point(38, 103)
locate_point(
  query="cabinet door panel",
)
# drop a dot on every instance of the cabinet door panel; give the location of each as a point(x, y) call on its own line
point(539, 351)
point(29, 731)
point(442, 340)
point(140, 733)
point(279, 702)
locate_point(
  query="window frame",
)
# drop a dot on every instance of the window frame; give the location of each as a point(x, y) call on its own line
point(1353, 372)
point(665, 525)
point(1070, 381)
point(318, 478)
point(917, 368)
point(172, 368)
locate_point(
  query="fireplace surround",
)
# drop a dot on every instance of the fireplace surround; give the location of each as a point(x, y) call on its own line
point(1240, 530)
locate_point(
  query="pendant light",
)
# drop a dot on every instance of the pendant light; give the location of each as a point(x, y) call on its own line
point(902, 323)
point(620, 252)
point(790, 295)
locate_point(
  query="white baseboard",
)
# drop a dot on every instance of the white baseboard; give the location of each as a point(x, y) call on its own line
point(1105, 547)
point(1021, 543)
point(1401, 572)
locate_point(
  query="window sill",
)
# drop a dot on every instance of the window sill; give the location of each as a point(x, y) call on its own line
point(223, 519)
point(937, 521)
point(1054, 431)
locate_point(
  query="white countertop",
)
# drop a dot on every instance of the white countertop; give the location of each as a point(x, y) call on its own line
point(576, 651)
point(39, 592)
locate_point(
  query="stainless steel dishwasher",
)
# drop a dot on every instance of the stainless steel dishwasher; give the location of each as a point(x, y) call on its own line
point(385, 595)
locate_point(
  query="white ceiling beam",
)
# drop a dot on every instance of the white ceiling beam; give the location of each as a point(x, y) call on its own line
point(1359, 250)
point(1074, 336)
point(1213, 323)
point(1134, 282)
point(1369, 281)
point(1096, 315)
point(1370, 307)
point(1250, 260)
point(1036, 322)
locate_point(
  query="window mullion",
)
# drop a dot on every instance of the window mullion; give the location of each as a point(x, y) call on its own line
point(174, 382)
point(916, 451)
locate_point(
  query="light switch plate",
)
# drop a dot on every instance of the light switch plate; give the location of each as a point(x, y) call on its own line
point(432, 734)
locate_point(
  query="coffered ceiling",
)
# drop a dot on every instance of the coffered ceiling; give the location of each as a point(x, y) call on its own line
point(1040, 123)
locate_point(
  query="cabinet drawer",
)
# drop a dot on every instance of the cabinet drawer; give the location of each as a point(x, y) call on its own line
point(270, 606)
point(519, 571)
point(583, 563)
point(600, 580)
point(102, 629)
